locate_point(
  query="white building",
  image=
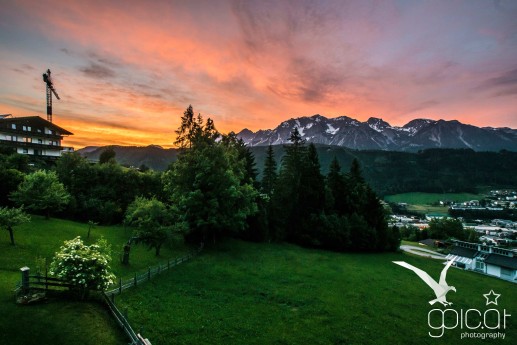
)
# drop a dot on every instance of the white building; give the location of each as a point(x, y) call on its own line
point(32, 135)
point(494, 261)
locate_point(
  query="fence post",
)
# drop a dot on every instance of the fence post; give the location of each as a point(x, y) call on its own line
point(119, 285)
point(25, 279)
point(113, 298)
point(46, 279)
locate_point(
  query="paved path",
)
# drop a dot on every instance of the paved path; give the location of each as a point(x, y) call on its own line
point(422, 252)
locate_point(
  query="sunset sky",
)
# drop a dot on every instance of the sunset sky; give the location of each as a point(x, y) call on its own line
point(126, 70)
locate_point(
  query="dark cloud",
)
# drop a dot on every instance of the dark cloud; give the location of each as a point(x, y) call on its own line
point(103, 60)
point(423, 105)
point(97, 71)
point(503, 85)
point(67, 51)
point(23, 68)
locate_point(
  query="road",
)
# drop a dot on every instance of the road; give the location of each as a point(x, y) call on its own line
point(422, 252)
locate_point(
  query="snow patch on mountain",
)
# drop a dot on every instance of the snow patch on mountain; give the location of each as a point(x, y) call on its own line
point(331, 130)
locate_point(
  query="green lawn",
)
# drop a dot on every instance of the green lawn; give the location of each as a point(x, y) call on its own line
point(431, 198)
point(242, 293)
point(245, 293)
point(58, 321)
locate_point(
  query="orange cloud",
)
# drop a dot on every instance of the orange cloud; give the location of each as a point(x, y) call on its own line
point(126, 70)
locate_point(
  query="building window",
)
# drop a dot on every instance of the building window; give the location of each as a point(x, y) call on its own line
point(25, 150)
point(480, 265)
point(28, 140)
point(13, 125)
point(26, 128)
point(506, 272)
point(40, 141)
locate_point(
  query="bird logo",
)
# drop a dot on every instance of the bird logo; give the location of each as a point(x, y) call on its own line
point(440, 288)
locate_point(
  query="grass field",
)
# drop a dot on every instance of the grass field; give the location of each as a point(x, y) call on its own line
point(425, 203)
point(245, 293)
point(242, 293)
point(58, 321)
point(431, 198)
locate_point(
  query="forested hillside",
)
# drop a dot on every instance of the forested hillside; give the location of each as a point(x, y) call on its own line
point(433, 170)
point(388, 172)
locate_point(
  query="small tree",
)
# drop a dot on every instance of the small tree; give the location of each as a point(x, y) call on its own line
point(107, 156)
point(91, 225)
point(446, 228)
point(10, 217)
point(85, 267)
point(41, 191)
point(152, 221)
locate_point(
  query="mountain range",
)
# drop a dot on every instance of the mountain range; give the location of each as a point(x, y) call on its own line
point(377, 134)
point(152, 156)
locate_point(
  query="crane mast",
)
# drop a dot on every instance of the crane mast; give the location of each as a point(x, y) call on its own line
point(50, 90)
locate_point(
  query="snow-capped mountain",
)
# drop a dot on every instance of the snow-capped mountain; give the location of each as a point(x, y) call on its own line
point(377, 134)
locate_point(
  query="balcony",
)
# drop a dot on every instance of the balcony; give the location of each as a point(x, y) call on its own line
point(32, 133)
point(10, 143)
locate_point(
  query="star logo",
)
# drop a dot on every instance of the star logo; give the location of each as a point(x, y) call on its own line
point(491, 297)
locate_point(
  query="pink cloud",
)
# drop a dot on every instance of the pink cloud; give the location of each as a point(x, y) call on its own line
point(134, 66)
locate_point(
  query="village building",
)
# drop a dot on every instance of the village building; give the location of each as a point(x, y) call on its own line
point(33, 136)
point(490, 260)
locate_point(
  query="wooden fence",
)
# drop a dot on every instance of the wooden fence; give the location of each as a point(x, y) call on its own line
point(109, 296)
point(136, 339)
point(151, 272)
point(46, 283)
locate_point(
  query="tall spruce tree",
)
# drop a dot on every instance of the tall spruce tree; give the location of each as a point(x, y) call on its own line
point(269, 174)
point(336, 189)
point(206, 185)
point(311, 200)
point(284, 208)
point(188, 129)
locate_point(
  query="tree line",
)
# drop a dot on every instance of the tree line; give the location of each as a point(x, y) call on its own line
point(430, 170)
point(209, 192)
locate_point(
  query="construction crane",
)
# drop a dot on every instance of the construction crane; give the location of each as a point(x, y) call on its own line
point(50, 91)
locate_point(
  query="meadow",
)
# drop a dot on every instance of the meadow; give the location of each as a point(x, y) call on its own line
point(59, 321)
point(246, 293)
point(241, 293)
point(418, 198)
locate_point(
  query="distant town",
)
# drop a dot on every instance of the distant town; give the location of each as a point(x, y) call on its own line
point(491, 231)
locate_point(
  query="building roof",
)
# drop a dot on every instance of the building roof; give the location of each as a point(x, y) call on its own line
point(464, 252)
point(428, 242)
point(35, 120)
point(501, 260)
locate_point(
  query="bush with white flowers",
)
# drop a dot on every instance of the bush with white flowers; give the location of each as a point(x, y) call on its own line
point(86, 267)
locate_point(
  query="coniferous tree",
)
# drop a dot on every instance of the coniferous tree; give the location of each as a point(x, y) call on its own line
point(285, 211)
point(188, 129)
point(311, 196)
point(206, 185)
point(336, 189)
point(269, 174)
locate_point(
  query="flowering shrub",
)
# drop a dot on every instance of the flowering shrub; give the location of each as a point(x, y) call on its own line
point(85, 267)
